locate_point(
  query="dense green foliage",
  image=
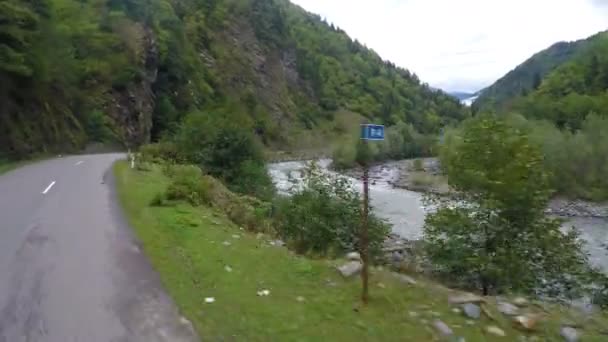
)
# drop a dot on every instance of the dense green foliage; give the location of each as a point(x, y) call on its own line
point(574, 90)
point(198, 253)
point(225, 149)
point(577, 162)
point(499, 238)
point(76, 71)
point(324, 216)
point(563, 92)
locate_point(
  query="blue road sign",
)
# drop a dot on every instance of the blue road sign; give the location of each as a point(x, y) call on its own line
point(372, 132)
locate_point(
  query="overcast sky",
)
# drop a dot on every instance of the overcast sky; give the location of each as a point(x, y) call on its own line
point(462, 44)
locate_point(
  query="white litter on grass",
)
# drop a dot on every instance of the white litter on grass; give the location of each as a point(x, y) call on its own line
point(236, 236)
point(226, 243)
point(228, 268)
point(209, 300)
point(264, 293)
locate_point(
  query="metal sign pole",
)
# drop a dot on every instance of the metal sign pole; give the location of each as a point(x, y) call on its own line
point(368, 132)
point(365, 233)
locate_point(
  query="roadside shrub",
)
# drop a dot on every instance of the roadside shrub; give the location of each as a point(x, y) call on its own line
point(159, 152)
point(344, 156)
point(188, 185)
point(226, 148)
point(253, 179)
point(325, 215)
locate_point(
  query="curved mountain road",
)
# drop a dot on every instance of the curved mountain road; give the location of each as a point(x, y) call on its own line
point(70, 268)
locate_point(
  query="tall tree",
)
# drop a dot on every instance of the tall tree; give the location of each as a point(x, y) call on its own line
point(498, 238)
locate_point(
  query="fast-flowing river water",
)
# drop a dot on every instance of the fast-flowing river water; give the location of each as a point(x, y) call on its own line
point(406, 212)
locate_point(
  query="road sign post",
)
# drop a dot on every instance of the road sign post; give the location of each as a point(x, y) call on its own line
point(368, 132)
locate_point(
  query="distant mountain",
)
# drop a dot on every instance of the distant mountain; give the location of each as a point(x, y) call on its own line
point(563, 84)
point(529, 75)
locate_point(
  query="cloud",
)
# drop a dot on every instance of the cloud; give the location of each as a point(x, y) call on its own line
point(465, 44)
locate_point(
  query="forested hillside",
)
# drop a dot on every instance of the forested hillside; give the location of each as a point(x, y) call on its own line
point(128, 71)
point(571, 92)
point(528, 76)
point(565, 112)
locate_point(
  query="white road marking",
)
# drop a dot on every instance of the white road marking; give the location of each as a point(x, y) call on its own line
point(80, 162)
point(48, 188)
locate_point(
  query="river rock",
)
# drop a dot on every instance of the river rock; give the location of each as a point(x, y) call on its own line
point(570, 334)
point(350, 269)
point(465, 298)
point(528, 322)
point(508, 309)
point(520, 301)
point(353, 256)
point(405, 279)
point(496, 331)
point(442, 328)
point(277, 243)
point(471, 310)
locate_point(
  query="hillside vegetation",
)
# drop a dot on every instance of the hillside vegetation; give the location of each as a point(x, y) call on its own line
point(201, 253)
point(560, 97)
point(529, 75)
point(127, 72)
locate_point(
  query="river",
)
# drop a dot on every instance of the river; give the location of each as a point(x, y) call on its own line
point(405, 210)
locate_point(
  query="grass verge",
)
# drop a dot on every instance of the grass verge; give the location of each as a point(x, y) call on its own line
point(193, 249)
point(9, 166)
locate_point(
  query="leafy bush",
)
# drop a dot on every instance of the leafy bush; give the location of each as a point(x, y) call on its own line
point(97, 127)
point(325, 215)
point(188, 185)
point(498, 239)
point(227, 150)
point(253, 179)
point(344, 156)
point(159, 152)
point(577, 162)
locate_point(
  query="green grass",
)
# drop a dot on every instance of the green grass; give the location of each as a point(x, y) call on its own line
point(6, 166)
point(186, 246)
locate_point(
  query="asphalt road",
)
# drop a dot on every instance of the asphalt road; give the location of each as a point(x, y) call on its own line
point(70, 268)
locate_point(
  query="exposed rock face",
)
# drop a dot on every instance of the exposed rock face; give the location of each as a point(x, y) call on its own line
point(131, 107)
point(262, 75)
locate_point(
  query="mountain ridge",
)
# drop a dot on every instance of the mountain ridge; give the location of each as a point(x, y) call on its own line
point(528, 75)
